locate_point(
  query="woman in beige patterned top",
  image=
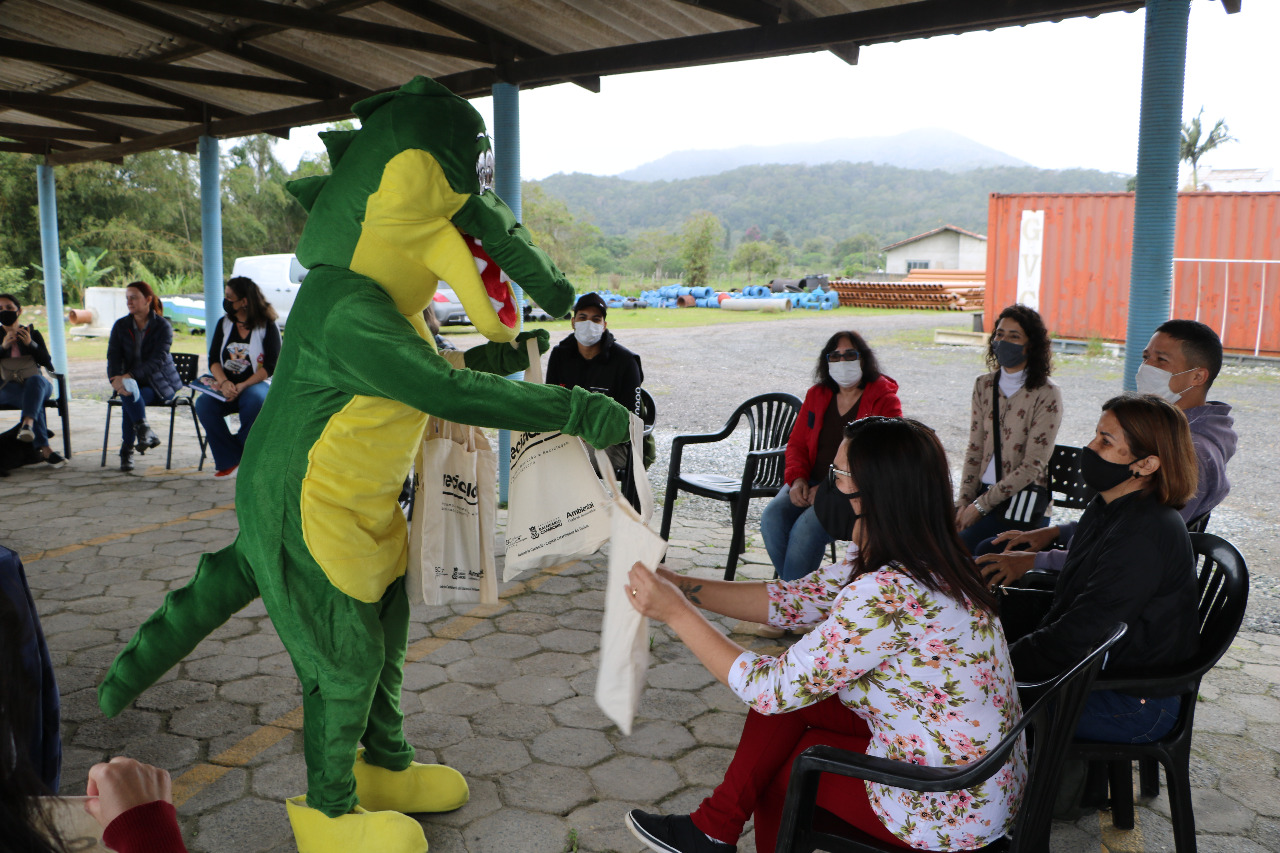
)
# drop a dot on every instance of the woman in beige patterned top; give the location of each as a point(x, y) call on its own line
point(1030, 407)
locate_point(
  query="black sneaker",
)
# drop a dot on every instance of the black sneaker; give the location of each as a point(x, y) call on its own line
point(672, 834)
point(54, 460)
point(146, 436)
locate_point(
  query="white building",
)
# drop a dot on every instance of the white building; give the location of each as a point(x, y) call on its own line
point(945, 248)
point(1239, 180)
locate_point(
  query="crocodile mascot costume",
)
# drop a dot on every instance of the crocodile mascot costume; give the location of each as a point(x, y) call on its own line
point(322, 539)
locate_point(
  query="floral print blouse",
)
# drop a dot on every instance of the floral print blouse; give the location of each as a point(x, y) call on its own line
point(930, 676)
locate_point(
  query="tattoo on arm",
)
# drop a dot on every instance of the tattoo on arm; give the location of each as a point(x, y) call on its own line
point(690, 589)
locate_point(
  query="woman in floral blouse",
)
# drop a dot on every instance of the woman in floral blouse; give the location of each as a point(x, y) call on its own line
point(907, 662)
point(1030, 412)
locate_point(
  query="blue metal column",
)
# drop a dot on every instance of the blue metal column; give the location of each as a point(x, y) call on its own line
point(51, 257)
point(211, 231)
point(1155, 208)
point(506, 183)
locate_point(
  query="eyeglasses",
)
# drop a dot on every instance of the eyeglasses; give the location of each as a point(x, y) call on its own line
point(843, 355)
point(831, 478)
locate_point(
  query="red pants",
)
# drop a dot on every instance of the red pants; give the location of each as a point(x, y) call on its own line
point(756, 781)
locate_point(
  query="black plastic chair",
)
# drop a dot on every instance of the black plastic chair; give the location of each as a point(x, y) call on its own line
point(770, 417)
point(1065, 482)
point(1224, 592)
point(1053, 717)
point(60, 403)
point(1199, 524)
point(188, 365)
point(648, 411)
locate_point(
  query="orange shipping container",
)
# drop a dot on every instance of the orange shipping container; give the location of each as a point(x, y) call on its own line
point(1224, 238)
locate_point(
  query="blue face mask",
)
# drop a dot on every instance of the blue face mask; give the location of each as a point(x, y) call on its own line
point(1009, 355)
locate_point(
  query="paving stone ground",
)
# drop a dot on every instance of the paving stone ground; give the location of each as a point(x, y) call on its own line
point(503, 693)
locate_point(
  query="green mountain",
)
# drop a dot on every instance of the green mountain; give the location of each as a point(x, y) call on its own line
point(833, 200)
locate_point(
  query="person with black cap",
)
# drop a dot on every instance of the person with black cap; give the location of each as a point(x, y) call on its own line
point(592, 358)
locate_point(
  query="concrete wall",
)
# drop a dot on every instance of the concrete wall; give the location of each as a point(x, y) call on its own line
point(972, 254)
point(946, 250)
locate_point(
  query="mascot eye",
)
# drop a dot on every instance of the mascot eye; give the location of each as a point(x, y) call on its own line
point(484, 170)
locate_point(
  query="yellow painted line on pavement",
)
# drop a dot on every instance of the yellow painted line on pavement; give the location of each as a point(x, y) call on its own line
point(1121, 840)
point(201, 776)
point(125, 534)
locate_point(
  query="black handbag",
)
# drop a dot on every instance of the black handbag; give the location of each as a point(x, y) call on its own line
point(1028, 505)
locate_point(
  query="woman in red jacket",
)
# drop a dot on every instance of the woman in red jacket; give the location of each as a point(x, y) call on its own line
point(848, 386)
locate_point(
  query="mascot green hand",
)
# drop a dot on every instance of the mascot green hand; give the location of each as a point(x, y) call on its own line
point(322, 539)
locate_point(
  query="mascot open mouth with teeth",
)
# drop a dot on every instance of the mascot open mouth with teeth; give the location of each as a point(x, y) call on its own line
point(322, 539)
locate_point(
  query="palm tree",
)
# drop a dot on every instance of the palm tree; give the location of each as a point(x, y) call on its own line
point(1192, 148)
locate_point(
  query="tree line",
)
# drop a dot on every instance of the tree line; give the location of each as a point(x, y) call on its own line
point(140, 219)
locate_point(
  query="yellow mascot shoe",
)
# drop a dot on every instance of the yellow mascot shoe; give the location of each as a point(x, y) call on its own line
point(417, 788)
point(384, 832)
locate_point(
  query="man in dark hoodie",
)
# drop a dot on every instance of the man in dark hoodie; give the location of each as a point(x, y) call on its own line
point(1179, 365)
point(592, 358)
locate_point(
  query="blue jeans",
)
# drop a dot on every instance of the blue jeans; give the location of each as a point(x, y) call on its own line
point(1114, 717)
point(133, 409)
point(792, 536)
point(227, 448)
point(31, 394)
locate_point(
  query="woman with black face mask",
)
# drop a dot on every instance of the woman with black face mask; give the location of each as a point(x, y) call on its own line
point(1013, 426)
point(23, 358)
point(1131, 562)
point(907, 660)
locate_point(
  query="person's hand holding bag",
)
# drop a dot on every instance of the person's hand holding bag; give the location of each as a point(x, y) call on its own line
point(504, 359)
point(597, 419)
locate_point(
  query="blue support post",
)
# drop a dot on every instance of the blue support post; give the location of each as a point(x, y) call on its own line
point(506, 183)
point(51, 257)
point(1155, 207)
point(211, 230)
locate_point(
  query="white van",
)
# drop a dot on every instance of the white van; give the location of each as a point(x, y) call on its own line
point(277, 276)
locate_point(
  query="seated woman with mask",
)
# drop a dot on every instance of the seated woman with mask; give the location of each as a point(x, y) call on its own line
point(848, 385)
point(1131, 562)
point(1013, 425)
point(908, 662)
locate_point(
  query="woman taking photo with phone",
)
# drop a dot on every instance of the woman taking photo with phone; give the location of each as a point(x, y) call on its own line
point(23, 360)
point(908, 662)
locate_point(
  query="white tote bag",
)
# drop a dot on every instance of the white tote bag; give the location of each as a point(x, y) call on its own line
point(624, 636)
point(451, 536)
point(558, 510)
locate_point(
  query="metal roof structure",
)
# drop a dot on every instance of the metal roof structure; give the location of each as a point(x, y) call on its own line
point(99, 79)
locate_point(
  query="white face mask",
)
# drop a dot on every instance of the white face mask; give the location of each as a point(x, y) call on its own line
point(846, 374)
point(588, 333)
point(1153, 380)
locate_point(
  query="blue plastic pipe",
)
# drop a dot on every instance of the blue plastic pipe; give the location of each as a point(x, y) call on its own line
point(211, 231)
point(506, 183)
point(51, 257)
point(1155, 207)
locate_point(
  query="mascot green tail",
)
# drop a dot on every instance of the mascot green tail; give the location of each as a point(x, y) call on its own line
point(222, 585)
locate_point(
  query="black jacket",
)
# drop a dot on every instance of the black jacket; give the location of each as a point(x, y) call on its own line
point(614, 371)
point(36, 349)
point(156, 367)
point(1131, 562)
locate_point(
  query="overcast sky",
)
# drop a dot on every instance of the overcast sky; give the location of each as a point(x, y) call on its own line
point(1055, 95)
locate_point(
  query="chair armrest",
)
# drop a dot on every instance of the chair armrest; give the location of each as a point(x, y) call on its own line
point(888, 771)
point(754, 458)
point(679, 441)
